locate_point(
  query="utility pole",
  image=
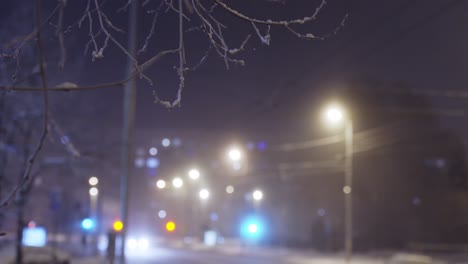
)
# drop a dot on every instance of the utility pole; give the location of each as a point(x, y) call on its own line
point(348, 189)
point(129, 103)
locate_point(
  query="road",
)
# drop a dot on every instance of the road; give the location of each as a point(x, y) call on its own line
point(176, 256)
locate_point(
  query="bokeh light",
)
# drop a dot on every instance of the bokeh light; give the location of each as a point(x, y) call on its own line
point(162, 214)
point(177, 182)
point(170, 226)
point(93, 181)
point(257, 195)
point(166, 142)
point(153, 151)
point(230, 189)
point(194, 174)
point(204, 194)
point(93, 191)
point(118, 226)
point(161, 184)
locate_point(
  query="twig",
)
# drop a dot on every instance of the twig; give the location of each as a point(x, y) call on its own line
point(59, 34)
point(181, 69)
point(16, 51)
point(241, 48)
point(269, 21)
point(265, 39)
point(114, 84)
point(200, 62)
point(310, 36)
point(153, 26)
point(220, 48)
point(170, 6)
point(125, 7)
point(32, 158)
point(99, 53)
point(109, 23)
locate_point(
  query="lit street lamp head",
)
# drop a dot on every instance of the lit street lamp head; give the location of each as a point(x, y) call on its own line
point(161, 184)
point(93, 181)
point(257, 195)
point(230, 189)
point(194, 174)
point(334, 114)
point(204, 194)
point(177, 182)
point(234, 154)
point(93, 191)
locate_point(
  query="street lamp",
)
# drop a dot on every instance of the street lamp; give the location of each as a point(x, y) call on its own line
point(204, 194)
point(257, 195)
point(234, 154)
point(230, 189)
point(177, 182)
point(194, 174)
point(93, 181)
point(335, 114)
point(93, 191)
point(161, 184)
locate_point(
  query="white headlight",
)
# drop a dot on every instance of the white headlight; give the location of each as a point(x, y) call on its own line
point(143, 243)
point(132, 243)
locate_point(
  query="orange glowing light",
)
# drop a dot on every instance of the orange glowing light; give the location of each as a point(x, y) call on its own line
point(118, 226)
point(170, 226)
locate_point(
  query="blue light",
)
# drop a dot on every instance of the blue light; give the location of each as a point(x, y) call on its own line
point(152, 163)
point(214, 217)
point(252, 228)
point(87, 224)
point(261, 145)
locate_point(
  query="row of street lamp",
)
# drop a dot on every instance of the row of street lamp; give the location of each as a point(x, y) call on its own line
point(204, 193)
point(234, 155)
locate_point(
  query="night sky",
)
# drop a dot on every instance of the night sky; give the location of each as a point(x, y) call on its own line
point(420, 43)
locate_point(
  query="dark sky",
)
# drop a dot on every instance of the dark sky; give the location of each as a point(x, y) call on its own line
point(419, 42)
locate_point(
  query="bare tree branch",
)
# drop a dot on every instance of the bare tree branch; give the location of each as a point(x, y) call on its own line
point(170, 6)
point(211, 26)
point(202, 60)
point(310, 36)
point(59, 34)
point(32, 158)
point(153, 26)
point(269, 21)
point(125, 7)
point(265, 39)
point(181, 69)
point(241, 48)
point(16, 48)
point(114, 84)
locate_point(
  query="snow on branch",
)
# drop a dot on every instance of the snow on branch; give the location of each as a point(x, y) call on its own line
point(182, 61)
point(269, 21)
point(310, 36)
point(265, 39)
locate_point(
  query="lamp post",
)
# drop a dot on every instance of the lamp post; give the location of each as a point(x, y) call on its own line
point(335, 114)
